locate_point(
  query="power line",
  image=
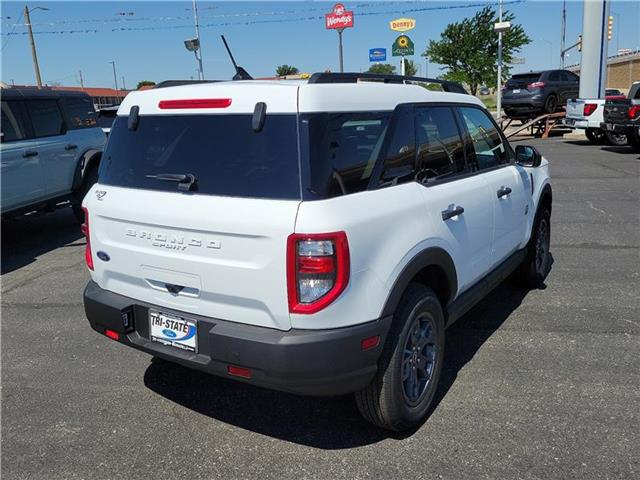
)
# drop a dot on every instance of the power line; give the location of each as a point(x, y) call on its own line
point(259, 21)
point(12, 30)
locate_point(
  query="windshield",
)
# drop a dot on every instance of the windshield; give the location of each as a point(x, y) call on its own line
point(222, 152)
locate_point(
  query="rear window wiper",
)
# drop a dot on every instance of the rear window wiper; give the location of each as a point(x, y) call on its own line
point(186, 181)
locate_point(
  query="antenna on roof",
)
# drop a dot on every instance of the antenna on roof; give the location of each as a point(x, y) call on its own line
point(241, 73)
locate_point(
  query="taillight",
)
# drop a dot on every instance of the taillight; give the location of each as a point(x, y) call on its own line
point(589, 108)
point(88, 258)
point(536, 85)
point(317, 270)
point(634, 111)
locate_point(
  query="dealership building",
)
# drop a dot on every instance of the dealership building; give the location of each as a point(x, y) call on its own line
point(622, 70)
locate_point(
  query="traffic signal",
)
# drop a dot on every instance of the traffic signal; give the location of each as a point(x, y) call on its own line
point(580, 42)
point(610, 27)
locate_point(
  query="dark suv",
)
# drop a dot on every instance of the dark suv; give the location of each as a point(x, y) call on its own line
point(528, 94)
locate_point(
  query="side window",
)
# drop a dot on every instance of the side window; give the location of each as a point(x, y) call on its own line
point(440, 148)
point(343, 149)
point(554, 76)
point(488, 148)
point(572, 77)
point(80, 112)
point(13, 124)
point(46, 117)
point(400, 155)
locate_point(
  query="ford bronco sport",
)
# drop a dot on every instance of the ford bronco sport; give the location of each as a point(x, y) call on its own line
point(315, 237)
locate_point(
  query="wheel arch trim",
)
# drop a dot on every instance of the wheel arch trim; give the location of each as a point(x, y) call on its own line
point(431, 256)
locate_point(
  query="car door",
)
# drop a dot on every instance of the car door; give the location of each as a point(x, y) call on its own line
point(49, 128)
point(458, 203)
point(507, 183)
point(82, 134)
point(20, 170)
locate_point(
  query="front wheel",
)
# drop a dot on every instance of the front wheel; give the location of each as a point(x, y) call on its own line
point(616, 139)
point(400, 395)
point(595, 135)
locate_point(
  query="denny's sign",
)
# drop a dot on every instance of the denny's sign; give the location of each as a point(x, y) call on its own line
point(402, 24)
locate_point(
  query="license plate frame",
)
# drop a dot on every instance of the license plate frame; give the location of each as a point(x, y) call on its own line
point(173, 330)
point(516, 91)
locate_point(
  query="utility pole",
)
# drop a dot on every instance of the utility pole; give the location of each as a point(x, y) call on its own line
point(563, 33)
point(81, 80)
point(115, 78)
point(199, 50)
point(36, 67)
point(123, 87)
point(499, 82)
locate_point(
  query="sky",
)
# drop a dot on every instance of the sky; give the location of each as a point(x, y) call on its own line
point(145, 39)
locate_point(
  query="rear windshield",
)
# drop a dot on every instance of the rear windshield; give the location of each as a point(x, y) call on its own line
point(222, 151)
point(524, 78)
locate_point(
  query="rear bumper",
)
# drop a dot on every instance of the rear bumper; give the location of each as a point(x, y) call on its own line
point(617, 127)
point(521, 105)
point(308, 362)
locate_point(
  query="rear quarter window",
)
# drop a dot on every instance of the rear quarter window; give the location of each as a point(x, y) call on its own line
point(80, 112)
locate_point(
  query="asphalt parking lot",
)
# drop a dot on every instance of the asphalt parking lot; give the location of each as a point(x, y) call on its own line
point(539, 384)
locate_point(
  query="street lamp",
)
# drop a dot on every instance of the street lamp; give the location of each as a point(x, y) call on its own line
point(27, 18)
point(193, 44)
point(500, 27)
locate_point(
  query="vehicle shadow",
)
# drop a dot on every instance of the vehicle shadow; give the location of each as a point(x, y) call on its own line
point(27, 237)
point(625, 150)
point(326, 423)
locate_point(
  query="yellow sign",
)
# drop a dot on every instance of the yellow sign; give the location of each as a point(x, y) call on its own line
point(402, 24)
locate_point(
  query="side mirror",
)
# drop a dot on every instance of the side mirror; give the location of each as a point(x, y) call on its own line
point(528, 156)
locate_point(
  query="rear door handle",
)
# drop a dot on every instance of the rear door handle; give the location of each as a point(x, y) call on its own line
point(452, 212)
point(29, 153)
point(70, 146)
point(503, 191)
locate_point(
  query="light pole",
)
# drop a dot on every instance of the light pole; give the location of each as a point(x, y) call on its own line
point(500, 27)
point(27, 18)
point(198, 50)
point(115, 78)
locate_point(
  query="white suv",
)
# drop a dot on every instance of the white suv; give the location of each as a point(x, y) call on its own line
point(314, 237)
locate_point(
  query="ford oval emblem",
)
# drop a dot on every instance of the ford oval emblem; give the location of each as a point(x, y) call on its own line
point(103, 256)
point(169, 333)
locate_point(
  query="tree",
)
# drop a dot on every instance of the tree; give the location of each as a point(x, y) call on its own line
point(144, 83)
point(469, 49)
point(284, 70)
point(410, 68)
point(385, 68)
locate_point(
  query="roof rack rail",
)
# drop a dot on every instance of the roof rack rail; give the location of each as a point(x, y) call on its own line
point(326, 77)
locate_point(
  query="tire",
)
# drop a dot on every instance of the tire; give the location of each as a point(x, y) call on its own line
point(90, 178)
point(551, 104)
point(389, 401)
point(595, 135)
point(616, 139)
point(537, 264)
point(633, 139)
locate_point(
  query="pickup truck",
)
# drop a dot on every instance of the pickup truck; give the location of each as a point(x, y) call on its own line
point(623, 116)
point(587, 114)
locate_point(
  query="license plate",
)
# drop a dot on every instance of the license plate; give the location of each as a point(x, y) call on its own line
point(173, 331)
point(608, 126)
point(516, 90)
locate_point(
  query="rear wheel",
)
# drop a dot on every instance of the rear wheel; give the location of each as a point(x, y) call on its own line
point(616, 139)
point(400, 395)
point(537, 264)
point(90, 178)
point(595, 135)
point(551, 104)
